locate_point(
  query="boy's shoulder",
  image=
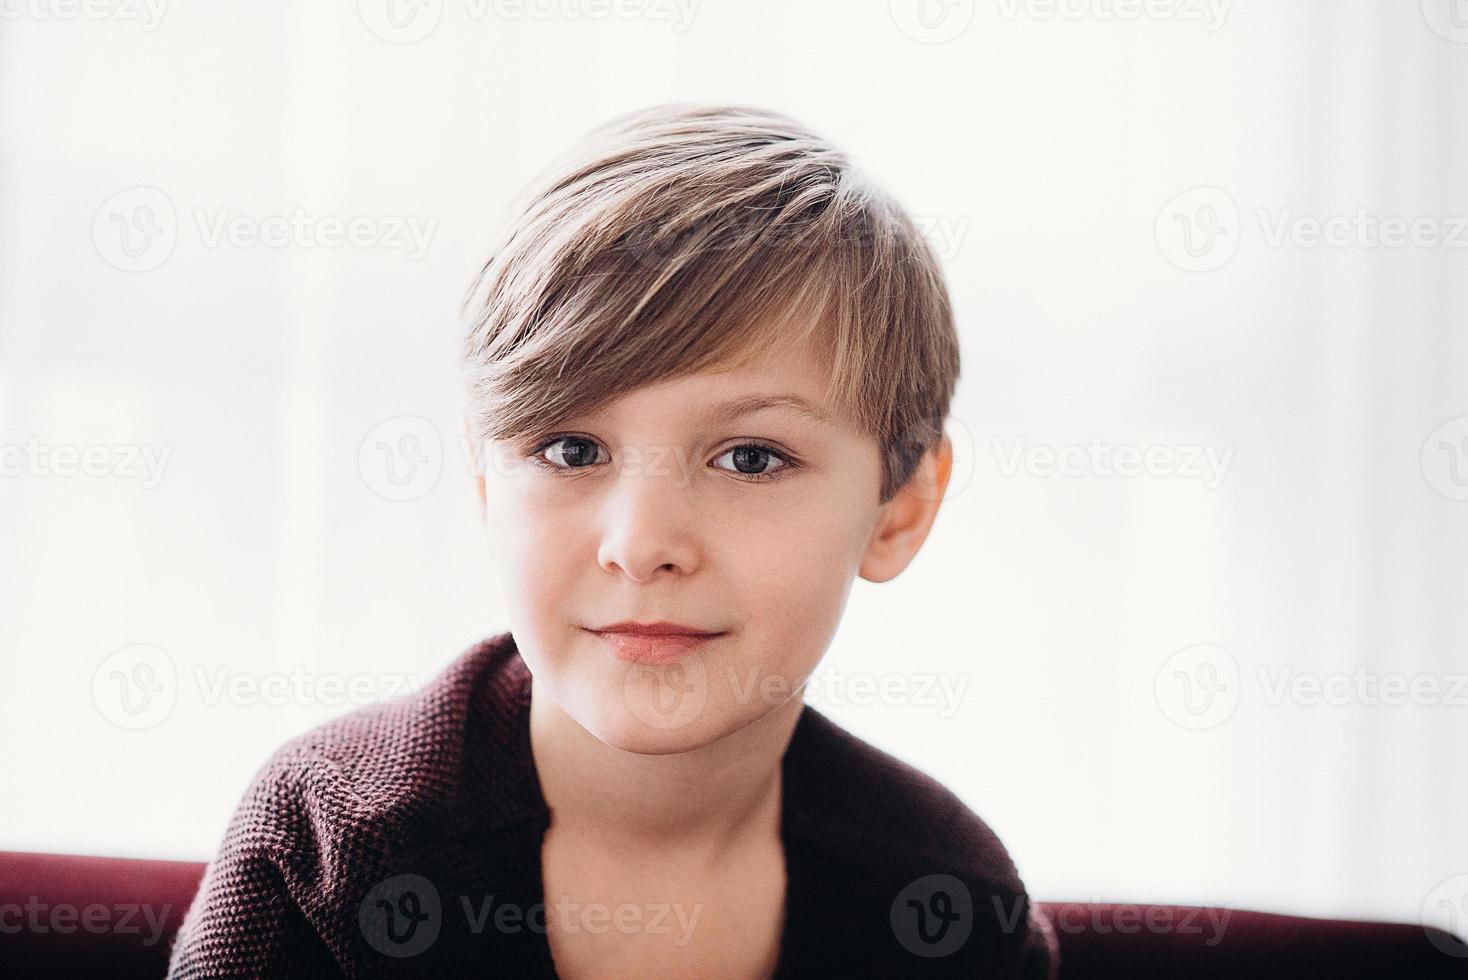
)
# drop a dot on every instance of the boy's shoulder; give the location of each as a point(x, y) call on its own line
point(418, 799)
point(384, 769)
point(850, 793)
point(905, 851)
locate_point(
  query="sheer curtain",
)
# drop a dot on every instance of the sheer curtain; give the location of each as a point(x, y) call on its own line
point(1212, 465)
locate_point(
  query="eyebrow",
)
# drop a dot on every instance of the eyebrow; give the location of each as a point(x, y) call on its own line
point(749, 404)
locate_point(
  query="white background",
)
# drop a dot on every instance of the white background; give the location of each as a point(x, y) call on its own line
point(1044, 153)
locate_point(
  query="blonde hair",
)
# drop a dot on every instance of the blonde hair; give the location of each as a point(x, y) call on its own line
point(681, 238)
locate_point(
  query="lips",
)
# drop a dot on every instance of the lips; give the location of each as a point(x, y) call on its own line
point(653, 643)
point(660, 628)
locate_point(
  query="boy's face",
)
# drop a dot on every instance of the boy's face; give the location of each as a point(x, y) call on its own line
point(644, 511)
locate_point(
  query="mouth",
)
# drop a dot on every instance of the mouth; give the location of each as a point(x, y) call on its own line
point(653, 643)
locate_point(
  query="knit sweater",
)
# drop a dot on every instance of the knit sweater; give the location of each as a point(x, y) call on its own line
point(404, 839)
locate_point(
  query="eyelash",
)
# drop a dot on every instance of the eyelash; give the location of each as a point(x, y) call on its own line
point(789, 461)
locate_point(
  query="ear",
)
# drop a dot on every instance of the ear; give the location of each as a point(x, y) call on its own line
point(904, 521)
point(476, 468)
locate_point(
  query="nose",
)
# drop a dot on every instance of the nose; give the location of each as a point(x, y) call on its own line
point(648, 527)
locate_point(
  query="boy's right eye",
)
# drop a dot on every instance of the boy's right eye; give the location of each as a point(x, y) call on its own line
point(567, 452)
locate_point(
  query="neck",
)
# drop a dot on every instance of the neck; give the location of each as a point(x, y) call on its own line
point(704, 801)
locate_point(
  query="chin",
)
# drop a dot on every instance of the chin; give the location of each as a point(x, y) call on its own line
point(657, 709)
point(640, 729)
point(652, 742)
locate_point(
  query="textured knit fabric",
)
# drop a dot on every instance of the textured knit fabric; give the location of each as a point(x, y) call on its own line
point(403, 839)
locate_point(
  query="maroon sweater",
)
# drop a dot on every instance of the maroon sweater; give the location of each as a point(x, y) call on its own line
point(403, 839)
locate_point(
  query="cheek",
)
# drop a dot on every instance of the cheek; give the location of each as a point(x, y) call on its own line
point(796, 581)
point(535, 557)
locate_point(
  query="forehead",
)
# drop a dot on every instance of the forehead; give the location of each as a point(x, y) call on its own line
point(791, 379)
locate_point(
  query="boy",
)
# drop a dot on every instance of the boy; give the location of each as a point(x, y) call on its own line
point(707, 369)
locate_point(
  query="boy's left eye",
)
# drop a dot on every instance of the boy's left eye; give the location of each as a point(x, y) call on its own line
point(753, 460)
